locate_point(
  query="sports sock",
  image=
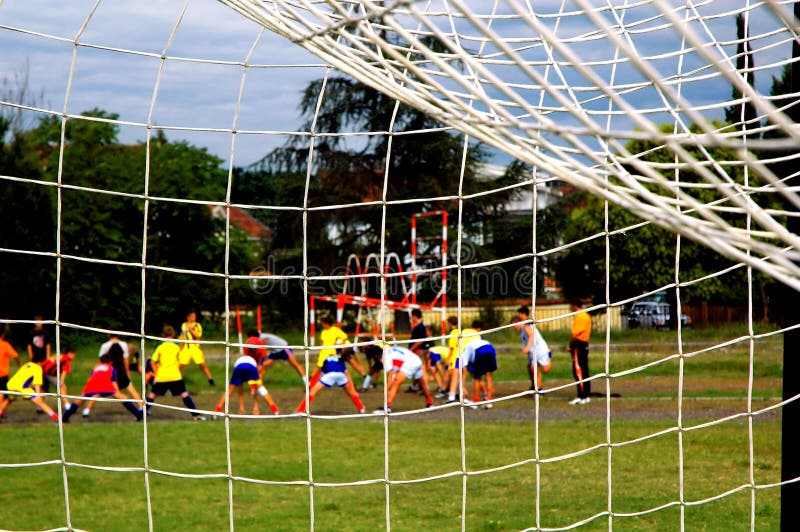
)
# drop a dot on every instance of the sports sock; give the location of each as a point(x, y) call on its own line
point(53, 416)
point(357, 401)
point(451, 396)
point(305, 379)
point(69, 411)
point(189, 402)
point(304, 405)
point(67, 405)
point(428, 401)
point(367, 382)
point(130, 407)
point(262, 391)
point(274, 408)
point(86, 412)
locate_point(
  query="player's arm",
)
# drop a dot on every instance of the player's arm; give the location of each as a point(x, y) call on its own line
point(47, 350)
point(531, 338)
point(13, 354)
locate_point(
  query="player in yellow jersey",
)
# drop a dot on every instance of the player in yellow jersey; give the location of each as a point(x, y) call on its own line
point(191, 352)
point(27, 381)
point(456, 368)
point(168, 377)
point(330, 337)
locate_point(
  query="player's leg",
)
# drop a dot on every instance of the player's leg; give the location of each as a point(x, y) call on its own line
point(189, 403)
point(258, 388)
point(296, 365)
point(312, 392)
point(355, 362)
point(422, 382)
point(241, 400)
point(391, 392)
point(225, 395)
point(39, 402)
point(134, 392)
point(130, 406)
point(71, 410)
point(350, 390)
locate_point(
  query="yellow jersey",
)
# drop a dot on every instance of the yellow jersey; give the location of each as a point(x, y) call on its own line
point(26, 377)
point(193, 331)
point(456, 346)
point(328, 337)
point(166, 356)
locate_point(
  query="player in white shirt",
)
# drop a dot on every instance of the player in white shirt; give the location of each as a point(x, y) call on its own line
point(540, 358)
point(104, 349)
point(279, 350)
point(481, 360)
point(401, 364)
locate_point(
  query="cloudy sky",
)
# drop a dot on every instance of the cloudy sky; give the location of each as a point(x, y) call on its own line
point(117, 64)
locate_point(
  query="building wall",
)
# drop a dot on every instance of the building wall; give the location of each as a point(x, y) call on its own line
point(548, 317)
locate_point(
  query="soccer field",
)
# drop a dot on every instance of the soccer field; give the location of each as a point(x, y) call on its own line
point(189, 479)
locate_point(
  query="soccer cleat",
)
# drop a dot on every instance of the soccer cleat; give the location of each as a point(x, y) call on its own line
point(440, 395)
point(198, 417)
point(362, 411)
point(586, 400)
point(429, 405)
point(211, 382)
point(488, 406)
point(381, 410)
point(576, 401)
point(469, 404)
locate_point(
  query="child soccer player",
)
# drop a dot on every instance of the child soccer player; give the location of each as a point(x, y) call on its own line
point(167, 369)
point(330, 337)
point(534, 346)
point(279, 350)
point(103, 383)
point(374, 354)
point(333, 372)
point(27, 381)
point(456, 367)
point(245, 370)
point(481, 360)
point(61, 363)
point(191, 352)
point(7, 352)
point(436, 355)
point(39, 343)
point(402, 363)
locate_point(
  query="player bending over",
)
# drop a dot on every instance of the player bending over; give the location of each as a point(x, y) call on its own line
point(7, 352)
point(168, 377)
point(401, 364)
point(245, 370)
point(456, 366)
point(333, 373)
point(27, 381)
point(54, 366)
point(330, 337)
point(191, 352)
point(540, 358)
point(279, 350)
point(436, 355)
point(103, 383)
point(481, 360)
point(374, 354)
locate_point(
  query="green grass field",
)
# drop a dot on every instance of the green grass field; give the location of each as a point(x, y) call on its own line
point(270, 466)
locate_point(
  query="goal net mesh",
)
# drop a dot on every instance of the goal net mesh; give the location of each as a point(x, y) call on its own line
point(571, 88)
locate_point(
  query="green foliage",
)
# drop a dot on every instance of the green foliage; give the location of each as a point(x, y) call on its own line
point(643, 258)
point(102, 226)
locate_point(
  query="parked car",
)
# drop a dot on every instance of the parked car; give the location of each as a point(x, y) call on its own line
point(652, 314)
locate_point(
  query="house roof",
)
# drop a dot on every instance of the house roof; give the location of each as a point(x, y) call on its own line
point(244, 221)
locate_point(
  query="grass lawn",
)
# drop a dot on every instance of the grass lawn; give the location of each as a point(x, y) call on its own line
point(269, 455)
point(270, 471)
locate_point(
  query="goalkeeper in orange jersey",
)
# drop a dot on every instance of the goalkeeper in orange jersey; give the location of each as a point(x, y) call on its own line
point(191, 352)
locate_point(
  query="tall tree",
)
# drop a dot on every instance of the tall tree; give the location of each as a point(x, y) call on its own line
point(744, 112)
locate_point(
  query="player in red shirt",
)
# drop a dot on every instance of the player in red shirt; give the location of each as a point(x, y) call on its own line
point(103, 383)
point(51, 372)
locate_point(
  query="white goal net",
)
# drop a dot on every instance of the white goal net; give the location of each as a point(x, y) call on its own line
point(640, 155)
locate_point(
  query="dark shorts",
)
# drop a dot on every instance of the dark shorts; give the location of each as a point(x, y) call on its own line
point(173, 387)
point(280, 354)
point(123, 380)
point(4, 383)
point(98, 394)
point(243, 374)
point(434, 358)
point(485, 361)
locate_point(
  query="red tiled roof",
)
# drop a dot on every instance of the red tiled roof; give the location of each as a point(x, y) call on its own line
point(243, 220)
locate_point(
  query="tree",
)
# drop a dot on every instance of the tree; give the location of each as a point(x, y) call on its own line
point(745, 64)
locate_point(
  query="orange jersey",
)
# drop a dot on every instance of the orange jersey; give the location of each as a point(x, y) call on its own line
point(7, 352)
point(581, 326)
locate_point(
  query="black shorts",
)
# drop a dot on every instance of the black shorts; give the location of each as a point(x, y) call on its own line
point(485, 361)
point(173, 387)
point(4, 383)
point(280, 354)
point(123, 380)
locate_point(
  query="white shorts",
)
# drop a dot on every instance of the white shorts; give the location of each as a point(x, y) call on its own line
point(335, 378)
point(412, 370)
point(544, 359)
